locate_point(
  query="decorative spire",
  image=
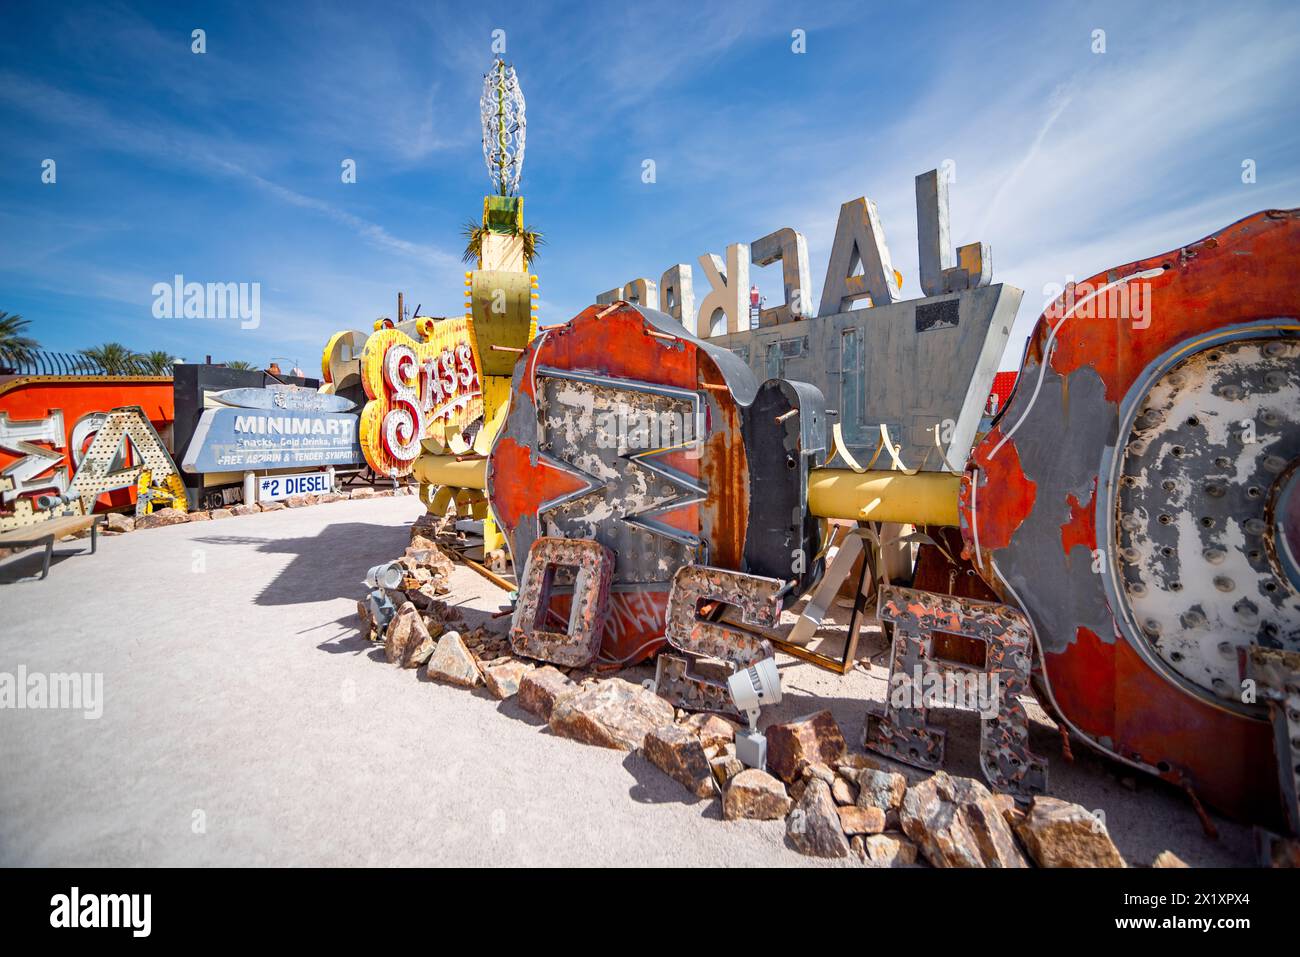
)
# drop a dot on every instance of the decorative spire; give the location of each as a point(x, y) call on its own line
point(502, 109)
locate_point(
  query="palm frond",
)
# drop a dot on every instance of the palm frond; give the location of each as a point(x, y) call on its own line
point(473, 233)
point(14, 346)
point(532, 239)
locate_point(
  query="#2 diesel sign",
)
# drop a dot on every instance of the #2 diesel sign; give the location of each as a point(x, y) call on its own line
point(235, 440)
point(273, 487)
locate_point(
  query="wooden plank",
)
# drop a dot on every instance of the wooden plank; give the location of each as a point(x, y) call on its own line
point(58, 527)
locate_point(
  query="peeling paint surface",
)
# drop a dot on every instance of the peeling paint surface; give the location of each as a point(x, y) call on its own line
point(1066, 432)
point(1208, 442)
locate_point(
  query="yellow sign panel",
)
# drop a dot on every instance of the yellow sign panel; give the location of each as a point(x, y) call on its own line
point(427, 390)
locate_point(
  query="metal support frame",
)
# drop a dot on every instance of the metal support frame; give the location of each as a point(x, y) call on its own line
point(902, 732)
point(1277, 682)
point(815, 613)
point(579, 643)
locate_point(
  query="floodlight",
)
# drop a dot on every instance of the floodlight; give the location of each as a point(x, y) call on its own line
point(751, 688)
point(388, 575)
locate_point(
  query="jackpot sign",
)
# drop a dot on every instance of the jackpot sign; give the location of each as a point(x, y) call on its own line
point(419, 391)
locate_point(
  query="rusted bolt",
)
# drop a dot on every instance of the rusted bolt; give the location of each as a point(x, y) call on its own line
point(1214, 490)
point(1254, 526)
point(1214, 556)
point(1224, 583)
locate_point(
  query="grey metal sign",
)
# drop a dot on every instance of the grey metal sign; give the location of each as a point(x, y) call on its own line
point(236, 440)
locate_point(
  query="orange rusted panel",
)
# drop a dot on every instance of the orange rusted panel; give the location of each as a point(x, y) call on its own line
point(1035, 520)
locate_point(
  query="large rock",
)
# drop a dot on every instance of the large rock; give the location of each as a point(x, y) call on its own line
point(200, 517)
point(861, 820)
point(714, 730)
point(755, 795)
point(271, 506)
point(679, 754)
point(219, 513)
point(1168, 859)
point(452, 662)
point(1012, 813)
point(882, 789)
point(725, 768)
point(433, 558)
point(503, 677)
point(885, 850)
point(813, 827)
point(367, 623)
point(812, 739)
point(361, 493)
point(164, 516)
point(117, 522)
point(956, 823)
point(245, 509)
point(404, 635)
point(541, 688)
point(843, 791)
point(419, 652)
point(1060, 834)
point(610, 714)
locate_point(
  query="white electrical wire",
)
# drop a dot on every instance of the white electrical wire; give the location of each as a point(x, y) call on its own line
point(1047, 349)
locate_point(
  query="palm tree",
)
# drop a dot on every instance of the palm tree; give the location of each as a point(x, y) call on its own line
point(474, 233)
point(113, 357)
point(14, 346)
point(241, 364)
point(156, 362)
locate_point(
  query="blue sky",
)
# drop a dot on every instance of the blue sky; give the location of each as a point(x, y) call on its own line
point(225, 167)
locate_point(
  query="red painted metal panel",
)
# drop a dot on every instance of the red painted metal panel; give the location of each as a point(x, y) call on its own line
point(32, 398)
point(1108, 693)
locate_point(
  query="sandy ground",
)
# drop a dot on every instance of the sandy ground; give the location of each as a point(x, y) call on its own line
point(246, 722)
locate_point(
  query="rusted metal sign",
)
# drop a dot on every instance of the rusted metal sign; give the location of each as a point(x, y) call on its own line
point(1131, 497)
point(626, 430)
point(919, 679)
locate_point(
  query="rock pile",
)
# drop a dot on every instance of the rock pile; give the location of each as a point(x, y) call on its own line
point(118, 523)
point(835, 803)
